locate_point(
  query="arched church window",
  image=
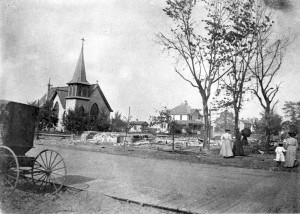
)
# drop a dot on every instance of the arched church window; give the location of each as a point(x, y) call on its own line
point(94, 110)
point(56, 109)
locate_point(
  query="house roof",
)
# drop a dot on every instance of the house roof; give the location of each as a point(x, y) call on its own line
point(79, 74)
point(138, 123)
point(245, 121)
point(183, 109)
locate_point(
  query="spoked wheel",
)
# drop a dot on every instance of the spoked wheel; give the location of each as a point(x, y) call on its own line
point(9, 171)
point(49, 171)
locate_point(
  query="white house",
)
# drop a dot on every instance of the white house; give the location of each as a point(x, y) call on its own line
point(188, 117)
point(138, 126)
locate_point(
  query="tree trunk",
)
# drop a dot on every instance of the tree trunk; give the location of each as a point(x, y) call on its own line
point(173, 143)
point(206, 126)
point(268, 129)
point(237, 146)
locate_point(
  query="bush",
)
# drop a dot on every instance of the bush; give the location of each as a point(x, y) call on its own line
point(76, 121)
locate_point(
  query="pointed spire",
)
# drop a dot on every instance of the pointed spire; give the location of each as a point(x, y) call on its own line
point(48, 91)
point(79, 74)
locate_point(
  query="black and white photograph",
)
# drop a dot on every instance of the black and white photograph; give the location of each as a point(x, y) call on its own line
point(149, 106)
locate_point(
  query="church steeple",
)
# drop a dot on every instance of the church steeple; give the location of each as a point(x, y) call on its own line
point(79, 74)
point(79, 86)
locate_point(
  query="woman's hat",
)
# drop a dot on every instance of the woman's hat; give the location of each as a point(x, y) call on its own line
point(292, 134)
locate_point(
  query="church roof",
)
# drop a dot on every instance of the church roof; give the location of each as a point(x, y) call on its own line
point(62, 93)
point(94, 87)
point(79, 74)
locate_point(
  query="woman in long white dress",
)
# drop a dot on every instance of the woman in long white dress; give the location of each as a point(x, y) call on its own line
point(226, 147)
point(291, 149)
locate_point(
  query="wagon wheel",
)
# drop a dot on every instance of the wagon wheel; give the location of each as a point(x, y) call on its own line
point(49, 171)
point(9, 170)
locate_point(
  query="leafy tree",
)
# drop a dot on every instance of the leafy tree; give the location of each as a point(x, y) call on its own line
point(165, 119)
point(275, 124)
point(144, 128)
point(47, 117)
point(77, 121)
point(224, 121)
point(201, 51)
point(239, 37)
point(100, 122)
point(292, 111)
point(117, 123)
point(254, 58)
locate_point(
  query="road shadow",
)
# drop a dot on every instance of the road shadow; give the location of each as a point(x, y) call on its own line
point(77, 179)
point(25, 184)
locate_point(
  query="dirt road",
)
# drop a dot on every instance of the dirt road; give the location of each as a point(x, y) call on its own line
point(186, 186)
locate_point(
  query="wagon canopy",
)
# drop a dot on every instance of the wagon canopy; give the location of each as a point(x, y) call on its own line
point(17, 125)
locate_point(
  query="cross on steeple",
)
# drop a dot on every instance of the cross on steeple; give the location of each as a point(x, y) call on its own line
point(79, 74)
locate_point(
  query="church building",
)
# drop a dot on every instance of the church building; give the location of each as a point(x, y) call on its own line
point(78, 93)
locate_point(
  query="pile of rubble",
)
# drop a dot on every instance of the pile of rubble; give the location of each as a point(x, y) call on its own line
point(119, 138)
point(115, 138)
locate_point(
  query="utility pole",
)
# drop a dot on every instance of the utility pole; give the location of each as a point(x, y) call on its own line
point(127, 126)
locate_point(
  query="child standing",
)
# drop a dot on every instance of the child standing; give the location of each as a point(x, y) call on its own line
point(279, 154)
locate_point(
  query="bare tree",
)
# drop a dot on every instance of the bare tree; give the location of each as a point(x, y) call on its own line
point(266, 64)
point(202, 54)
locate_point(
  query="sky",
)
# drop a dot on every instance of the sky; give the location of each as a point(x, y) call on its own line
point(42, 40)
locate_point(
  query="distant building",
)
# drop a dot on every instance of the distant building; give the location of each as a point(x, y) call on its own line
point(245, 124)
point(190, 118)
point(138, 126)
point(79, 93)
